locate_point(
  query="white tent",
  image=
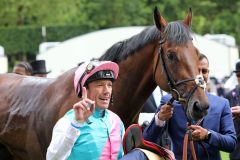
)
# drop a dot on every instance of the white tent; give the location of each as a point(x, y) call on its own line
point(222, 58)
point(69, 53)
point(3, 61)
point(92, 45)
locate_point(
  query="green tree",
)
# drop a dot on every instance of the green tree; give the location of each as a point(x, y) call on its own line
point(65, 19)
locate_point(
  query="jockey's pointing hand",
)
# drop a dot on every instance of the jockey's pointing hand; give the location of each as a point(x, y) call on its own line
point(82, 109)
point(165, 112)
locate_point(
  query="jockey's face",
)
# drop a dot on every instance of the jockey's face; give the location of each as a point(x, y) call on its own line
point(100, 91)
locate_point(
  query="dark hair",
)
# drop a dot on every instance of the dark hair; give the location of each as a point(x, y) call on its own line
point(25, 65)
point(202, 56)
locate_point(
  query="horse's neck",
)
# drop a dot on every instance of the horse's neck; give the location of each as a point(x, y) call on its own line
point(135, 82)
point(64, 95)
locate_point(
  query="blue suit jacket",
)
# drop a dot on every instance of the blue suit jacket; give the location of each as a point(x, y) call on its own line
point(234, 99)
point(218, 121)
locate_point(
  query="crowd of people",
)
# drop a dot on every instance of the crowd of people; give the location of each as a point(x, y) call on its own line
point(91, 130)
point(35, 68)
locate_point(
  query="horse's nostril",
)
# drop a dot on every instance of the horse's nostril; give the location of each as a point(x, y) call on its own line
point(199, 110)
point(207, 106)
point(197, 107)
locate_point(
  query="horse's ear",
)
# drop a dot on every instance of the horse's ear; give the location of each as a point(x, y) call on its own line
point(160, 22)
point(188, 18)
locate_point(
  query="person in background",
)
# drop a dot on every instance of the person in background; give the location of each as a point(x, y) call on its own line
point(90, 131)
point(234, 98)
point(216, 131)
point(150, 105)
point(39, 68)
point(23, 68)
point(220, 89)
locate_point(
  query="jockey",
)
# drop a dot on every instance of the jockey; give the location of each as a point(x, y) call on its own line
point(90, 131)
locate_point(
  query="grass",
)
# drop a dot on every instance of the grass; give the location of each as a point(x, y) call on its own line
point(224, 155)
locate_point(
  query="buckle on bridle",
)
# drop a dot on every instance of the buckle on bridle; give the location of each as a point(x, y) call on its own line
point(200, 82)
point(189, 132)
point(177, 95)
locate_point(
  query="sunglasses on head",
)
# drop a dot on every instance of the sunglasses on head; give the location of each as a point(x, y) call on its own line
point(204, 70)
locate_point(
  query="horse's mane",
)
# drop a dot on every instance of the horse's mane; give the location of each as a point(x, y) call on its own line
point(121, 50)
point(175, 32)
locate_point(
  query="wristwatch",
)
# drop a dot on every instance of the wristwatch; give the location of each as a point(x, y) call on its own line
point(208, 135)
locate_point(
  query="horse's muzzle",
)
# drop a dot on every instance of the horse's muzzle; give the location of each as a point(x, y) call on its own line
point(199, 110)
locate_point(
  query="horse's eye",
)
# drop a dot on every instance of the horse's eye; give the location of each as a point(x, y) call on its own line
point(172, 56)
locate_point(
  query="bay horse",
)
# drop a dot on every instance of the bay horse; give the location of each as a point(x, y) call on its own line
point(162, 55)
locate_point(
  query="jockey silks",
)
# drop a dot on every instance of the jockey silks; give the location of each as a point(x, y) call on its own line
point(102, 139)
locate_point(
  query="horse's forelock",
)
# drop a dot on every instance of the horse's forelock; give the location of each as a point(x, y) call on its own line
point(177, 33)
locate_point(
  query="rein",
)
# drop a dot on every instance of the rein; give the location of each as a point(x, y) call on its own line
point(188, 138)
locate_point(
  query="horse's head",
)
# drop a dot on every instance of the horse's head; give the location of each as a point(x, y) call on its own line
point(177, 62)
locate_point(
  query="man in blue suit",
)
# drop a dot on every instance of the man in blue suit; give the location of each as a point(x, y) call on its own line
point(234, 98)
point(216, 132)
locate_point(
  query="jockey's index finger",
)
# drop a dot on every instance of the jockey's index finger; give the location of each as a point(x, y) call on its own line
point(89, 101)
point(92, 107)
point(84, 93)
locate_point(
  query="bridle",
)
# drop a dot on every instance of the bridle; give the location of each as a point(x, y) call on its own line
point(176, 95)
point(199, 82)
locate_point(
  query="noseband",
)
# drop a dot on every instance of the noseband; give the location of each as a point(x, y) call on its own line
point(199, 81)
